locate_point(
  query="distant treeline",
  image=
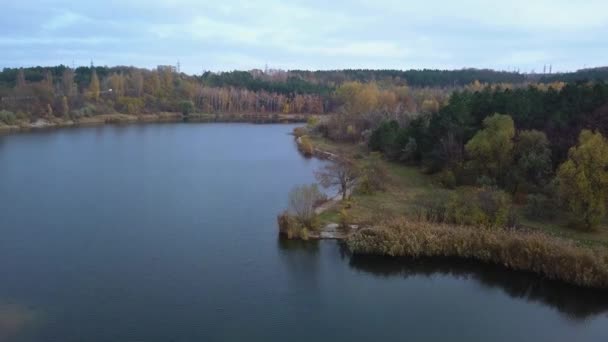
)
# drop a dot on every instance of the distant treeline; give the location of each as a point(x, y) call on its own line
point(323, 81)
point(63, 91)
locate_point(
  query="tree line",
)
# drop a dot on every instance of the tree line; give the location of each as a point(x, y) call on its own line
point(63, 91)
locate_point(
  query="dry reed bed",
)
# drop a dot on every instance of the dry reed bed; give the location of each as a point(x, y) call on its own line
point(549, 256)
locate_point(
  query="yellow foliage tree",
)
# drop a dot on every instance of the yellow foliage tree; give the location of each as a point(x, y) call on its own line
point(94, 88)
point(491, 149)
point(583, 179)
point(65, 107)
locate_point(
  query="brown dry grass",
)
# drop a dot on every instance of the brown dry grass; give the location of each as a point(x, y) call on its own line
point(536, 252)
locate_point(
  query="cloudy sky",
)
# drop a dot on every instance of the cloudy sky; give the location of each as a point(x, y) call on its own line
point(315, 34)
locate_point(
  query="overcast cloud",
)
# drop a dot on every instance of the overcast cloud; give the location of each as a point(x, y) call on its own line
point(318, 34)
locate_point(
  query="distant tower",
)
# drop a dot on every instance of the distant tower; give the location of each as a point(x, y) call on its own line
point(178, 66)
point(544, 69)
point(550, 68)
point(92, 65)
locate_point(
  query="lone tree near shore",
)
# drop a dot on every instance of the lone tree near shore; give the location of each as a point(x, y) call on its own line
point(341, 173)
point(302, 201)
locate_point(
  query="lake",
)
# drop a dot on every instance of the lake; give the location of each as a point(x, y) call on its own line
point(167, 232)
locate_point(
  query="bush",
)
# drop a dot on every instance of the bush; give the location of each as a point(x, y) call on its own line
point(186, 107)
point(312, 121)
point(539, 206)
point(302, 202)
point(130, 105)
point(496, 206)
point(374, 175)
point(480, 208)
point(7, 117)
point(88, 110)
point(305, 146)
point(447, 179)
point(299, 132)
point(433, 206)
point(290, 227)
point(534, 252)
point(463, 209)
point(345, 219)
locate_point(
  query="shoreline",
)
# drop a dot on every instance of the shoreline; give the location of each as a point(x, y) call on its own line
point(548, 256)
point(125, 119)
point(332, 230)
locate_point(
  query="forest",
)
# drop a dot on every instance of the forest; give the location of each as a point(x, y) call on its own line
point(27, 94)
point(533, 143)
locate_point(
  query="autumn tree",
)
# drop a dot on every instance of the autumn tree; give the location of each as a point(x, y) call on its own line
point(67, 82)
point(186, 107)
point(65, 107)
point(94, 87)
point(116, 82)
point(583, 179)
point(166, 81)
point(20, 84)
point(48, 82)
point(491, 148)
point(532, 161)
point(152, 84)
point(136, 82)
point(358, 98)
point(49, 110)
point(341, 174)
point(374, 174)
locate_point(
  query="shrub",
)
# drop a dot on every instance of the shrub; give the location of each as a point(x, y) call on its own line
point(291, 228)
point(8, 117)
point(447, 179)
point(302, 201)
point(312, 121)
point(186, 107)
point(433, 206)
point(495, 206)
point(551, 257)
point(374, 175)
point(305, 146)
point(130, 105)
point(463, 209)
point(300, 132)
point(539, 206)
point(480, 207)
point(88, 110)
point(345, 219)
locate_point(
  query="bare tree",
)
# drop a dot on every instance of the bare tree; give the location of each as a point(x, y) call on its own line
point(341, 173)
point(302, 201)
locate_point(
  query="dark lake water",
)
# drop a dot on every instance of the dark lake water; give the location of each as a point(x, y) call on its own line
point(167, 232)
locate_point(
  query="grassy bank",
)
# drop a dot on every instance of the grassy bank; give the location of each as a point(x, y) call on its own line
point(407, 184)
point(546, 247)
point(552, 257)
